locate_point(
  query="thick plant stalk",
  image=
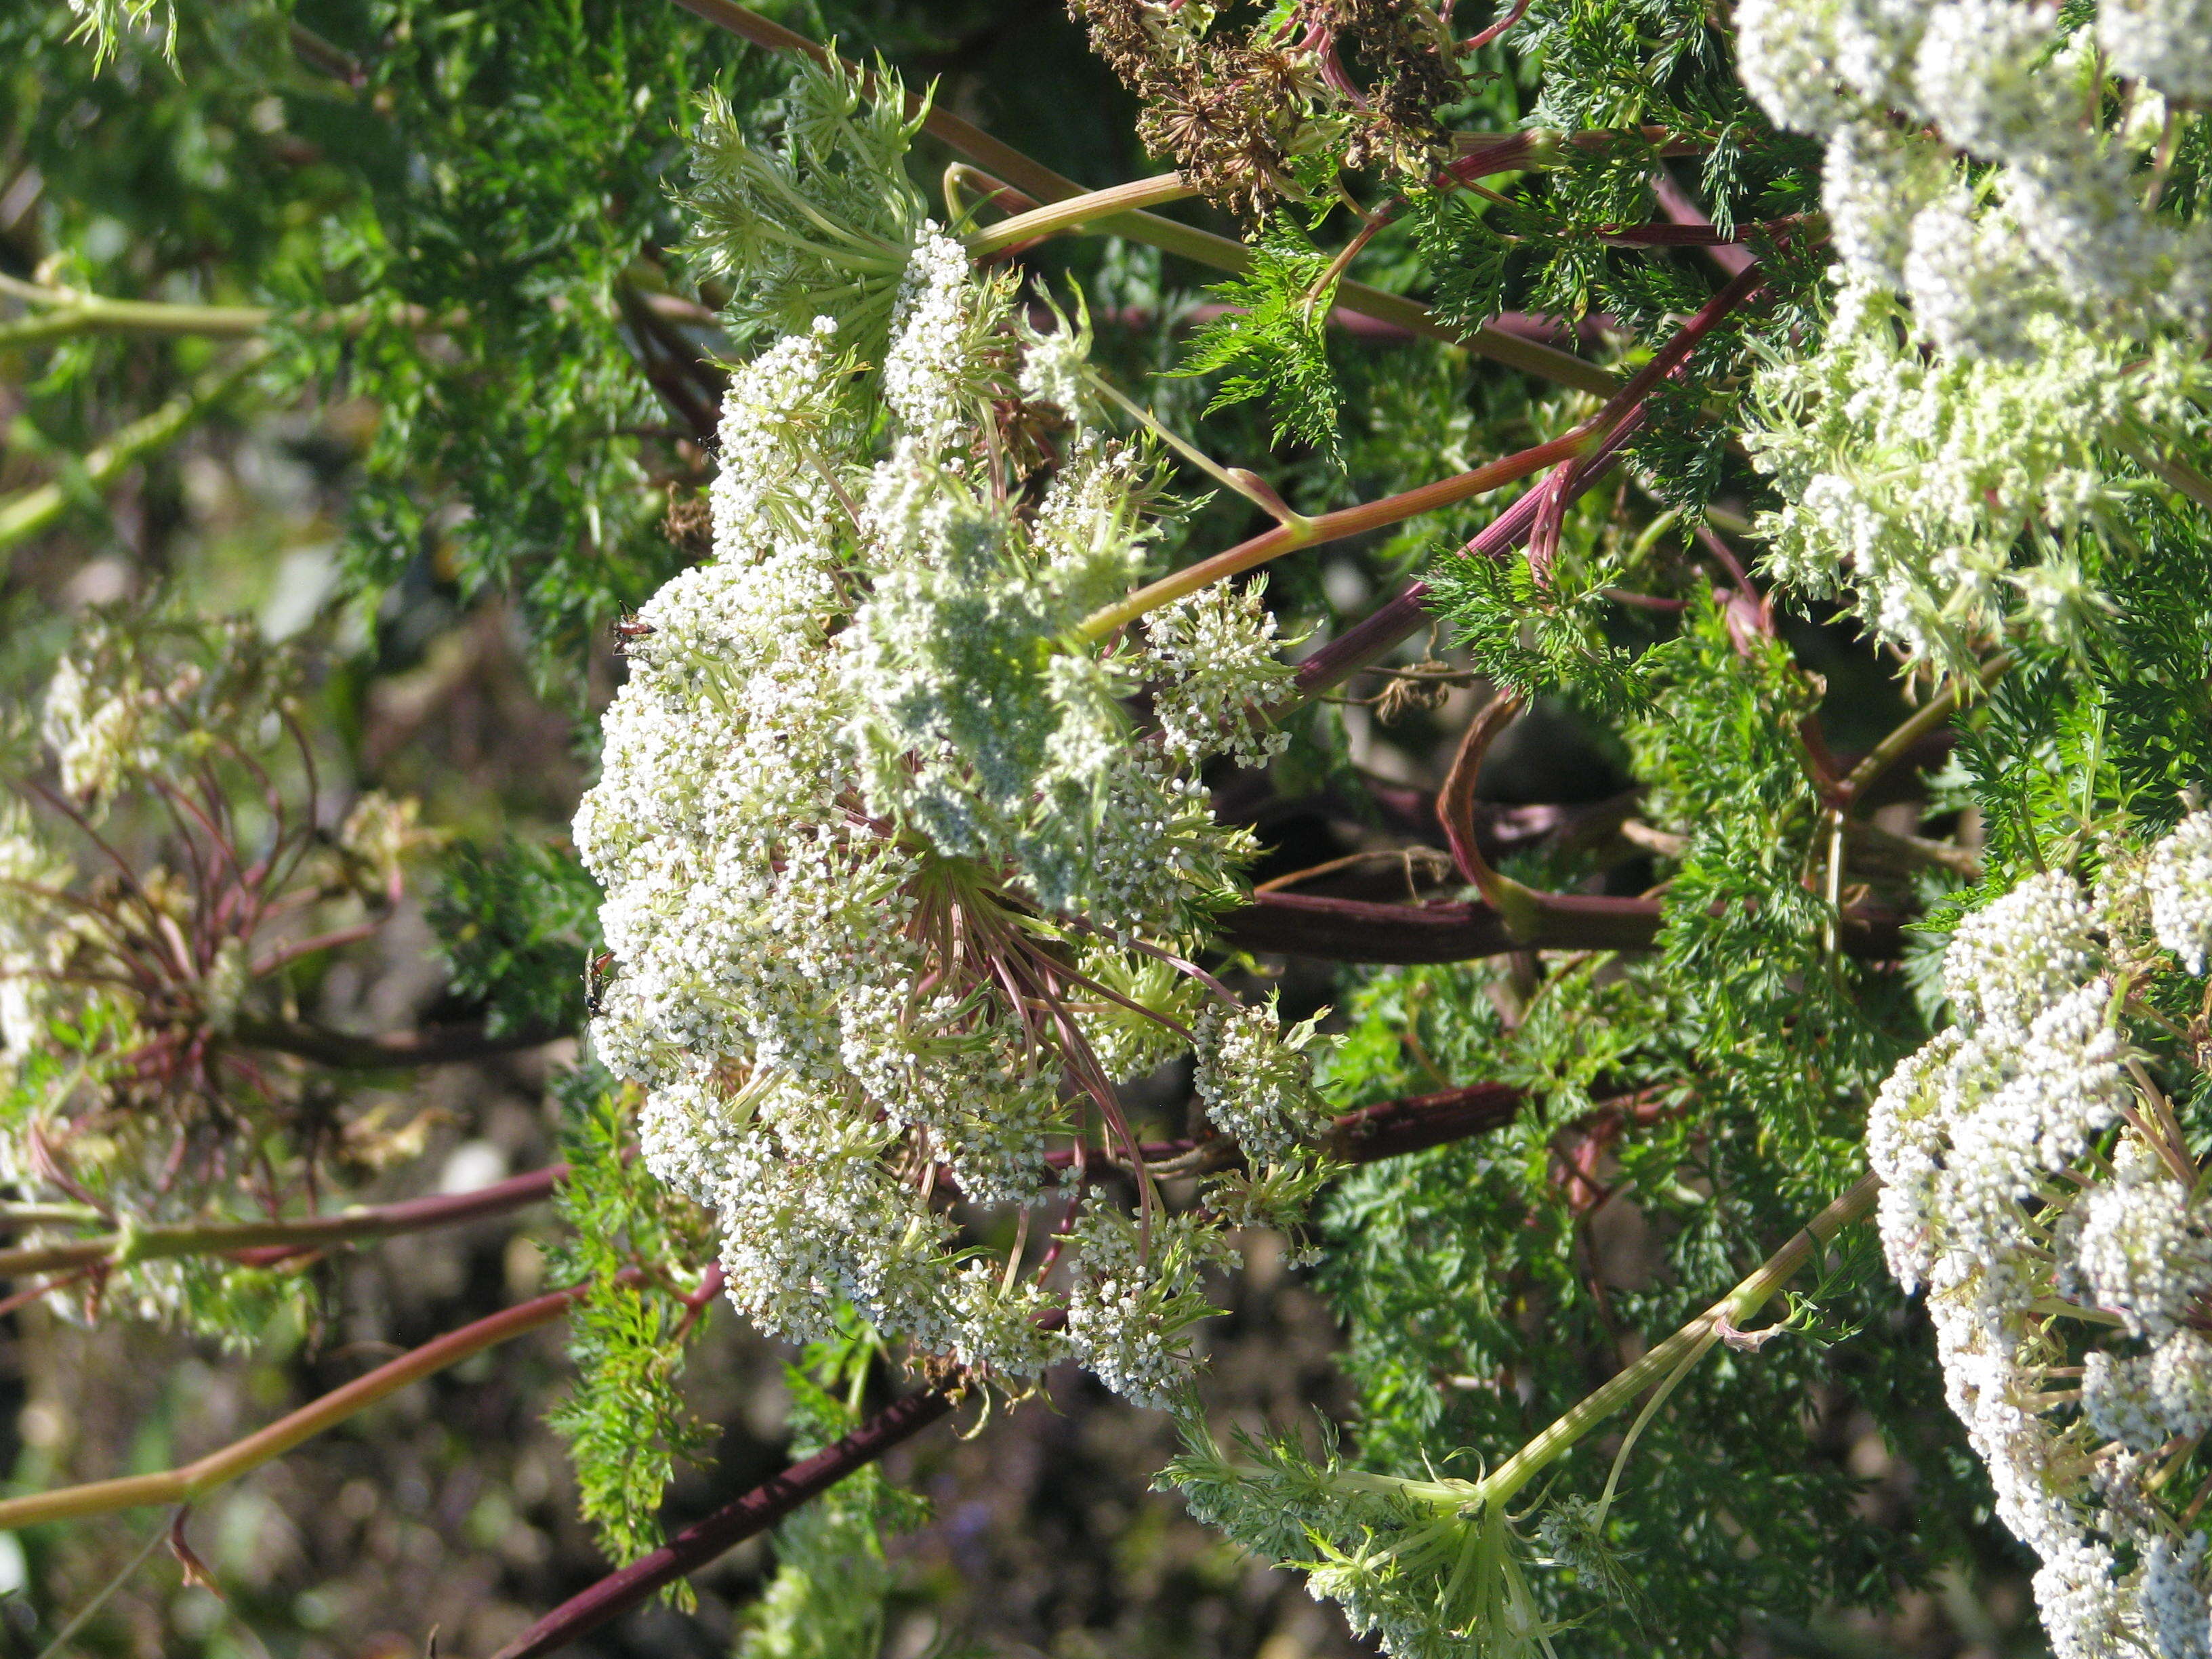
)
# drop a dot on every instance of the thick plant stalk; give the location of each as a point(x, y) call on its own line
point(91, 313)
point(729, 1526)
point(1368, 1135)
point(264, 1241)
point(1388, 1130)
point(203, 1475)
point(1362, 930)
point(1397, 1128)
point(434, 1046)
point(1203, 247)
point(1078, 211)
point(1939, 708)
point(1329, 527)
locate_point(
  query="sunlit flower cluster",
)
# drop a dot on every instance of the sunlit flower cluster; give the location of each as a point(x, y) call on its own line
point(2039, 1189)
point(1951, 495)
point(899, 890)
point(2065, 222)
point(2020, 315)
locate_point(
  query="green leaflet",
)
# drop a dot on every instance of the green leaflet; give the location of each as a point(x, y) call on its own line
point(833, 1588)
point(1274, 341)
point(625, 1422)
point(518, 924)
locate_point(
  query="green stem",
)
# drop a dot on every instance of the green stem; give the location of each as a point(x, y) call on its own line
point(45, 1215)
point(1078, 211)
point(31, 511)
point(2175, 474)
point(192, 1481)
point(1498, 1487)
point(1221, 254)
point(1253, 487)
point(91, 314)
point(1924, 719)
point(85, 1615)
point(1329, 527)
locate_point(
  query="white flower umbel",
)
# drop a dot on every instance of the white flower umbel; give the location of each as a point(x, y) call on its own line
point(1256, 1080)
point(898, 890)
point(2035, 1188)
point(2165, 43)
point(1223, 676)
point(2009, 255)
point(1947, 496)
point(98, 734)
point(1991, 92)
point(2178, 880)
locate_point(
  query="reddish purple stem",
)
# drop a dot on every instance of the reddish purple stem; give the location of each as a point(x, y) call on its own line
point(1359, 930)
point(1340, 658)
point(729, 1526)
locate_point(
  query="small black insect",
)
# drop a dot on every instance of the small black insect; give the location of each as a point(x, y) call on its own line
point(593, 967)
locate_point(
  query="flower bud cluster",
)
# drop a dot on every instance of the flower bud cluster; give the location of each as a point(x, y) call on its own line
point(2031, 1169)
point(898, 890)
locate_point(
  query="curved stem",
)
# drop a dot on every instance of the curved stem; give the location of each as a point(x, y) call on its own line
point(1924, 719)
point(1456, 800)
point(1078, 211)
point(1235, 479)
point(1754, 1293)
point(1201, 247)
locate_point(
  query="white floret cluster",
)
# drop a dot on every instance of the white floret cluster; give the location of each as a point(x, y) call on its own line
point(2015, 314)
point(898, 889)
point(2038, 1188)
point(1946, 494)
point(35, 938)
point(98, 734)
point(2177, 880)
point(2057, 216)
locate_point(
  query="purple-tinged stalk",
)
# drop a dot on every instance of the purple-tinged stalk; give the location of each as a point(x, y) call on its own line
point(264, 1243)
point(1614, 425)
point(744, 1517)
